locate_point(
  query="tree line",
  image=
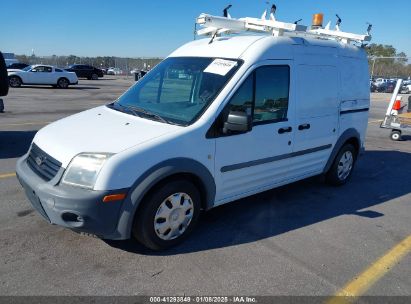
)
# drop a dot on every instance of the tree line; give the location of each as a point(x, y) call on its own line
point(125, 64)
point(395, 66)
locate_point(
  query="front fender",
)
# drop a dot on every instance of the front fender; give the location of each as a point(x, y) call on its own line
point(153, 176)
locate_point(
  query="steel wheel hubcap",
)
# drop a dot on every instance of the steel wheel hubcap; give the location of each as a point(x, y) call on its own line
point(173, 216)
point(345, 165)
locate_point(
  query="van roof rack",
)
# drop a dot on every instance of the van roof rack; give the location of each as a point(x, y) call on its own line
point(216, 25)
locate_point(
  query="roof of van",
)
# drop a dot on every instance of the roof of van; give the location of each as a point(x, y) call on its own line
point(258, 45)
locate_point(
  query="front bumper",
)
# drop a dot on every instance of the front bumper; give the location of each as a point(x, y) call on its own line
point(79, 209)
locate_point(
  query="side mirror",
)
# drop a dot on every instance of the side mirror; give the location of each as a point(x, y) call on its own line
point(237, 122)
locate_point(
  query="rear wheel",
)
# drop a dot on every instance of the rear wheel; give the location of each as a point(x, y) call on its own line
point(395, 135)
point(167, 215)
point(341, 169)
point(15, 82)
point(63, 83)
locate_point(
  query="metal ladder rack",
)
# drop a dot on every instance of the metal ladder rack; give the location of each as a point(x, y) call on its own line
point(216, 25)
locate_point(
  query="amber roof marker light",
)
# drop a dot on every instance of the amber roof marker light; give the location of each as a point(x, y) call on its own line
point(318, 20)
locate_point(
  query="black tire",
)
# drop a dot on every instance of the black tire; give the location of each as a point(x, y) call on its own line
point(395, 135)
point(63, 83)
point(144, 221)
point(333, 177)
point(15, 81)
point(94, 76)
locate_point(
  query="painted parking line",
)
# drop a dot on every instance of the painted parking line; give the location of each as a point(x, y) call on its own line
point(371, 275)
point(7, 175)
point(375, 121)
point(26, 124)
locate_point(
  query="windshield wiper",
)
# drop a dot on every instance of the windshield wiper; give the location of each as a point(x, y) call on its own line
point(137, 111)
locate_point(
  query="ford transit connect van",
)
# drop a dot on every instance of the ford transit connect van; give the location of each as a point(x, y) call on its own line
point(212, 123)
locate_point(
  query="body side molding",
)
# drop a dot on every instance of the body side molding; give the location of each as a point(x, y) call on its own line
point(273, 159)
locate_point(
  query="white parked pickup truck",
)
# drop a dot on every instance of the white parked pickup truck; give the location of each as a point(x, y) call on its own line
point(250, 114)
point(41, 75)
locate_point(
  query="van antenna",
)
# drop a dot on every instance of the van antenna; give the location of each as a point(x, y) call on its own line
point(272, 12)
point(337, 25)
point(369, 28)
point(214, 35)
point(296, 22)
point(226, 13)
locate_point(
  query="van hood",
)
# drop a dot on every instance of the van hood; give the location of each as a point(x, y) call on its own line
point(97, 130)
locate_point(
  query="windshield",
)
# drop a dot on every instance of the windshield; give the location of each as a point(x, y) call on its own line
point(178, 90)
point(27, 68)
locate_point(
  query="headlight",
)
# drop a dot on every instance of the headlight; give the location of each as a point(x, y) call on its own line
point(84, 169)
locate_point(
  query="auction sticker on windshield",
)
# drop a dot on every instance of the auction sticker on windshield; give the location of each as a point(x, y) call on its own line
point(220, 66)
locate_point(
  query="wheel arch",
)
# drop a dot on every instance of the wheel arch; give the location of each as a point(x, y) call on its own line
point(62, 77)
point(16, 76)
point(351, 136)
point(184, 168)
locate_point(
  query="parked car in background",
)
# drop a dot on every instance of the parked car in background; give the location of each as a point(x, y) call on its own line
point(85, 71)
point(114, 71)
point(406, 89)
point(17, 66)
point(373, 87)
point(380, 81)
point(42, 74)
point(386, 87)
point(134, 71)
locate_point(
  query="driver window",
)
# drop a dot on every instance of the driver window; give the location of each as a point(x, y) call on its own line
point(38, 69)
point(264, 95)
point(242, 100)
point(271, 93)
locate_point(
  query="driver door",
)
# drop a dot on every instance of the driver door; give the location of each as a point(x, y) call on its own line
point(40, 75)
point(257, 160)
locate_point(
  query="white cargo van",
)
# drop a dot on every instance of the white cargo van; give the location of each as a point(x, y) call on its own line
point(219, 119)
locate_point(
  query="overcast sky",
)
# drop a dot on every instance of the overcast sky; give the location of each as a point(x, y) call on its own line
point(155, 28)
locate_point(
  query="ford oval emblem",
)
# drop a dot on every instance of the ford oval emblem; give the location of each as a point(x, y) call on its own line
point(39, 160)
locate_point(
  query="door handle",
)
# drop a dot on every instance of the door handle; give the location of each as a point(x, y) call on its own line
point(284, 130)
point(304, 126)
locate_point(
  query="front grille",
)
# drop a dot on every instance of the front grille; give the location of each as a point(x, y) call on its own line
point(43, 164)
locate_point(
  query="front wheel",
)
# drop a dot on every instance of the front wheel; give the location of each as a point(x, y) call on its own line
point(168, 215)
point(341, 169)
point(63, 83)
point(94, 76)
